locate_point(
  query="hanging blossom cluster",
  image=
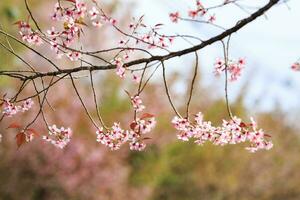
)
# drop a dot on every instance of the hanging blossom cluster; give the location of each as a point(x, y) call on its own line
point(234, 67)
point(137, 103)
point(233, 131)
point(27, 33)
point(59, 137)
point(9, 109)
point(198, 11)
point(116, 136)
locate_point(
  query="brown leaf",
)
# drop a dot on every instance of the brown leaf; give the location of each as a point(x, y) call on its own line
point(20, 138)
point(17, 22)
point(80, 21)
point(14, 125)
point(133, 125)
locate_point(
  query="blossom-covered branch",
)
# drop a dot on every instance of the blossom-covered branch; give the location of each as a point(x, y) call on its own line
point(132, 55)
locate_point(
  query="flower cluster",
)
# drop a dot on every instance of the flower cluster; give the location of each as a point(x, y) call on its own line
point(234, 67)
point(174, 16)
point(120, 69)
point(296, 66)
point(115, 137)
point(233, 131)
point(72, 18)
point(9, 109)
point(137, 103)
point(29, 135)
point(27, 34)
point(59, 137)
point(198, 11)
point(148, 35)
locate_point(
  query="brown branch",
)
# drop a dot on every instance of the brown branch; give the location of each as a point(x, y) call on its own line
point(202, 45)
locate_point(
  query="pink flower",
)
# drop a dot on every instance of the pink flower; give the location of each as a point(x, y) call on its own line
point(27, 105)
point(233, 131)
point(136, 78)
point(10, 109)
point(193, 13)
point(93, 13)
point(174, 17)
point(295, 66)
point(234, 67)
point(212, 19)
point(74, 55)
point(219, 66)
point(137, 103)
point(115, 136)
point(59, 137)
point(52, 32)
point(137, 146)
point(120, 71)
point(97, 23)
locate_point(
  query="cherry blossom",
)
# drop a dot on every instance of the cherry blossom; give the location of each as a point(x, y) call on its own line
point(9, 109)
point(27, 33)
point(174, 17)
point(120, 70)
point(212, 18)
point(97, 23)
point(296, 66)
point(59, 137)
point(137, 103)
point(234, 67)
point(115, 137)
point(53, 32)
point(233, 131)
point(74, 55)
point(93, 13)
point(137, 146)
point(27, 104)
point(136, 78)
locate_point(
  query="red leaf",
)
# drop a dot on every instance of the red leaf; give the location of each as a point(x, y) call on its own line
point(33, 131)
point(242, 124)
point(20, 138)
point(14, 125)
point(17, 22)
point(133, 125)
point(146, 115)
point(73, 1)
